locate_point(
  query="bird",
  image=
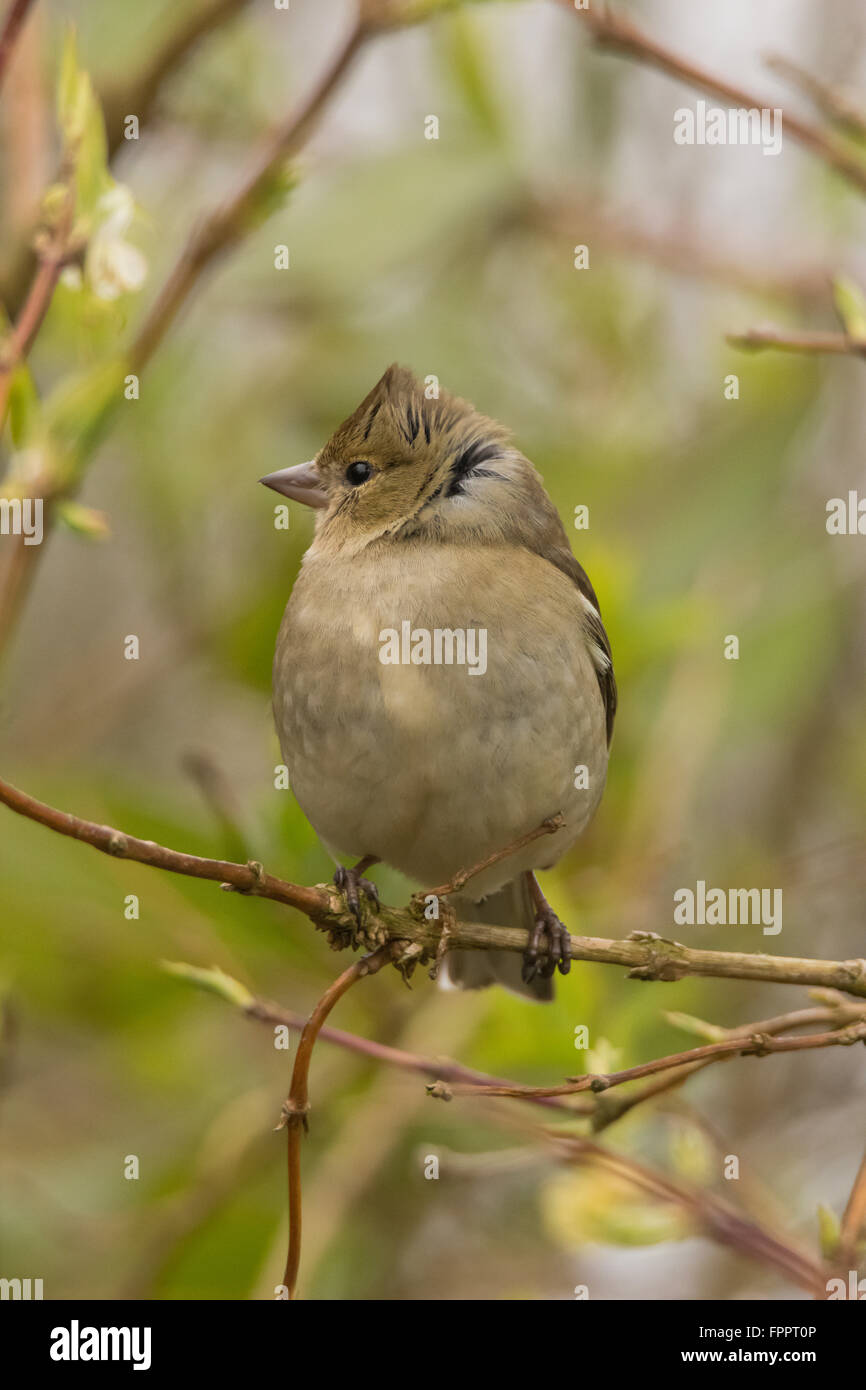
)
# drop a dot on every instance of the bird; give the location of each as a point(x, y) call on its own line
point(443, 683)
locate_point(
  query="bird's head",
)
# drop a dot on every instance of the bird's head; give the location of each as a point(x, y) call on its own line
point(410, 462)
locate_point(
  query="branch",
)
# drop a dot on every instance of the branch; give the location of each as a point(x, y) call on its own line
point(452, 1078)
point(460, 879)
point(754, 1045)
point(52, 258)
point(721, 1222)
point(853, 1220)
point(444, 1073)
point(226, 224)
point(243, 878)
point(831, 101)
point(140, 96)
point(756, 339)
point(667, 248)
point(12, 25)
point(296, 1107)
point(137, 97)
point(645, 955)
point(837, 1011)
point(620, 34)
point(53, 255)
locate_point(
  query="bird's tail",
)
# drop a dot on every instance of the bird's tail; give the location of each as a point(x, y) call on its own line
point(511, 906)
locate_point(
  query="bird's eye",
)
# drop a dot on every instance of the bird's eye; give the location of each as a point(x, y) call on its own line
point(358, 473)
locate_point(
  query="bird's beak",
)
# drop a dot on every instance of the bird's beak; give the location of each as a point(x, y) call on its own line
point(302, 483)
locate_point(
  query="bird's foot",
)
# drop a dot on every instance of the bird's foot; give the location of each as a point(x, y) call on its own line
point(549, 943)
point(352, 885)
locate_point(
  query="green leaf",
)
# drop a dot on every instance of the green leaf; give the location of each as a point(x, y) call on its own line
point(691, 1152)
point(74, 94)
point(92, 178)
point(829, 1231)
point(67, 82)
point(850, 306)
point(23, 406)
point(467, 65)
point(82, 126)
point(590, 1206)
point(84, 521)
point(698, 1026)
point(215, 981)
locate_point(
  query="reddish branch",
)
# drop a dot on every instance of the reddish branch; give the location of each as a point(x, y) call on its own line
point(755, 1045)
point(297, 1105)
point(616, 32)
point(444, 1073)
point(15, 347)
point(853, 1220)
point(722, 1222)
point(15, 17)
point(139, 97)
point(227, 224)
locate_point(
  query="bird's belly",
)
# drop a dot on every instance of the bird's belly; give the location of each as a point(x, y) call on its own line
point(429, 767)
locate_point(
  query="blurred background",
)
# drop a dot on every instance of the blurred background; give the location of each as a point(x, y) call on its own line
point(707, 518)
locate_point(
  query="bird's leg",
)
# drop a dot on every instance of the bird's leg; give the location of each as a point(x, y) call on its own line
point(548, 938)
point(351, 883)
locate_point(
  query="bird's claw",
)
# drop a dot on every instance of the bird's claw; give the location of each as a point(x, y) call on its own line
point(352, 884)
point(549, 947)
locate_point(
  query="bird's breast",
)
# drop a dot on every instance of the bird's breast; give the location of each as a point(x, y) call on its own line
point(435, 703)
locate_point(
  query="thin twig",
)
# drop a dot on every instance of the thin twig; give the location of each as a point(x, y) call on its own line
point(838, 344)
point(547, 827)
point(20, 559)
point(610, 1108)
point(244, 878)
point(296, 1107)
point(720, 1221)
point(830, 100)
point(227, 224)
point(853, 1220)
point(616, 32)
point(139, 96)
point(756, 1045)
point(452, 1078)
point(645, 955)
point(15, 347)
point(15, 17)
point(715, 1217)
point(621, 232)
point(439, 1070)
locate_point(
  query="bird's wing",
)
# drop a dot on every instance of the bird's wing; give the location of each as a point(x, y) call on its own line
point(550, 541)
